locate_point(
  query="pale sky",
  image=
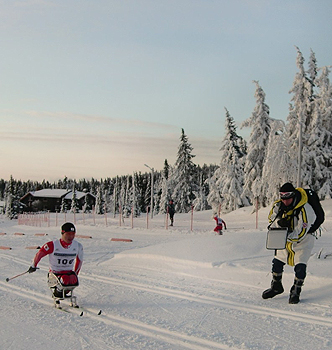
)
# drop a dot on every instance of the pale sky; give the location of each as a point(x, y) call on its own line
point(98, 88)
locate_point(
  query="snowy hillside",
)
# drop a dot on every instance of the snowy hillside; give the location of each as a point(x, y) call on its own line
point(167, 289)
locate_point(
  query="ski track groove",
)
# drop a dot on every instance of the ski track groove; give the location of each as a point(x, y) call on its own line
point(151, 331)
point(213, 301)
point(261, 310)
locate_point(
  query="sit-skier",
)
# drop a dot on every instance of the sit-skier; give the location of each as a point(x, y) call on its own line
point(65, 261)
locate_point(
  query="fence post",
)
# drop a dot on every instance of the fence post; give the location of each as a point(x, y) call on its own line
point(132, 217)
point(256, 213)
point(192, 218)
point(105, 214)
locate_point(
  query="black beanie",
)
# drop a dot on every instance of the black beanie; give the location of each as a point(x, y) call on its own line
point(68, 227)
point(287, 187)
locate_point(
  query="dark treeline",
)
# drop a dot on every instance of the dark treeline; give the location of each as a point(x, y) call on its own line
point(126, 191)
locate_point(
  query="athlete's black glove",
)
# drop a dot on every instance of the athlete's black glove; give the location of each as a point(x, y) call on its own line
point(32, 269)
point(284, 222)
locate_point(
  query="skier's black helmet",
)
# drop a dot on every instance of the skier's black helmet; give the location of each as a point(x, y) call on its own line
point(287, 191)
point(68, 227)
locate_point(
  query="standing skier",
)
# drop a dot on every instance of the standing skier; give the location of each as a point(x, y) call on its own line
point(220, 224)
point(65, 258)
point(292, 211)
point(171, 211)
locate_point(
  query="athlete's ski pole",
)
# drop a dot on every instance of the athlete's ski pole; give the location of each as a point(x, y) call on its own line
point(20, 274)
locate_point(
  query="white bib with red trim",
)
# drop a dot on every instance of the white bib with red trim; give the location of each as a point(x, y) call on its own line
point(62, 259)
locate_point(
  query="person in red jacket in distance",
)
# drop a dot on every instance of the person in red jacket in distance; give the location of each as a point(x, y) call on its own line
point(220, 224)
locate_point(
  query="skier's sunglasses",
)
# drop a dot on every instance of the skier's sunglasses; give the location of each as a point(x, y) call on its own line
point(286, 195)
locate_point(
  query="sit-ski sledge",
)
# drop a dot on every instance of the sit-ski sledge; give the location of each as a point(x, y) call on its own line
point(61, 291)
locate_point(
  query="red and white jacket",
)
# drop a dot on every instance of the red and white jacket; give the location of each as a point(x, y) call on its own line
point(220, 223)
point(62, 256)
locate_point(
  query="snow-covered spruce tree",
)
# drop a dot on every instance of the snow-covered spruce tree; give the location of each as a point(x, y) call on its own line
point(157, 192)
point(8, 191)
point(74, 202)
point(108, 203)
point(140, 184)
point(133, 200)
point(87, 206)
point(206, 172)
point(11, 201)
point(257, 146)
point(324, 98)
point(126, 196)
point(232, 185)
point(122, 193)
point(64, 183)
point(138, 195)
point(312, 73)
point(232, 141)
point(320, 138)
point(299, 117)
point(63, 208)
point(183, 176)
point(226, 192)
point(308, 163)
point(147, 194)
point(116, 195)
point(200, 202)
point(165, 172)
point(164, 195)
point(99, 208)
point(277, 166)
point(214, 197)
point(10, 211)
point(209, 179)
point(83, 185)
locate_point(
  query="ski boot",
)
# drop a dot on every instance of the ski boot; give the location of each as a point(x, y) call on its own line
point(294, 296)
point(276, 286)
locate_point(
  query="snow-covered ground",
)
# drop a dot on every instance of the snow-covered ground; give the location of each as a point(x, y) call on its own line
point(167, 289)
